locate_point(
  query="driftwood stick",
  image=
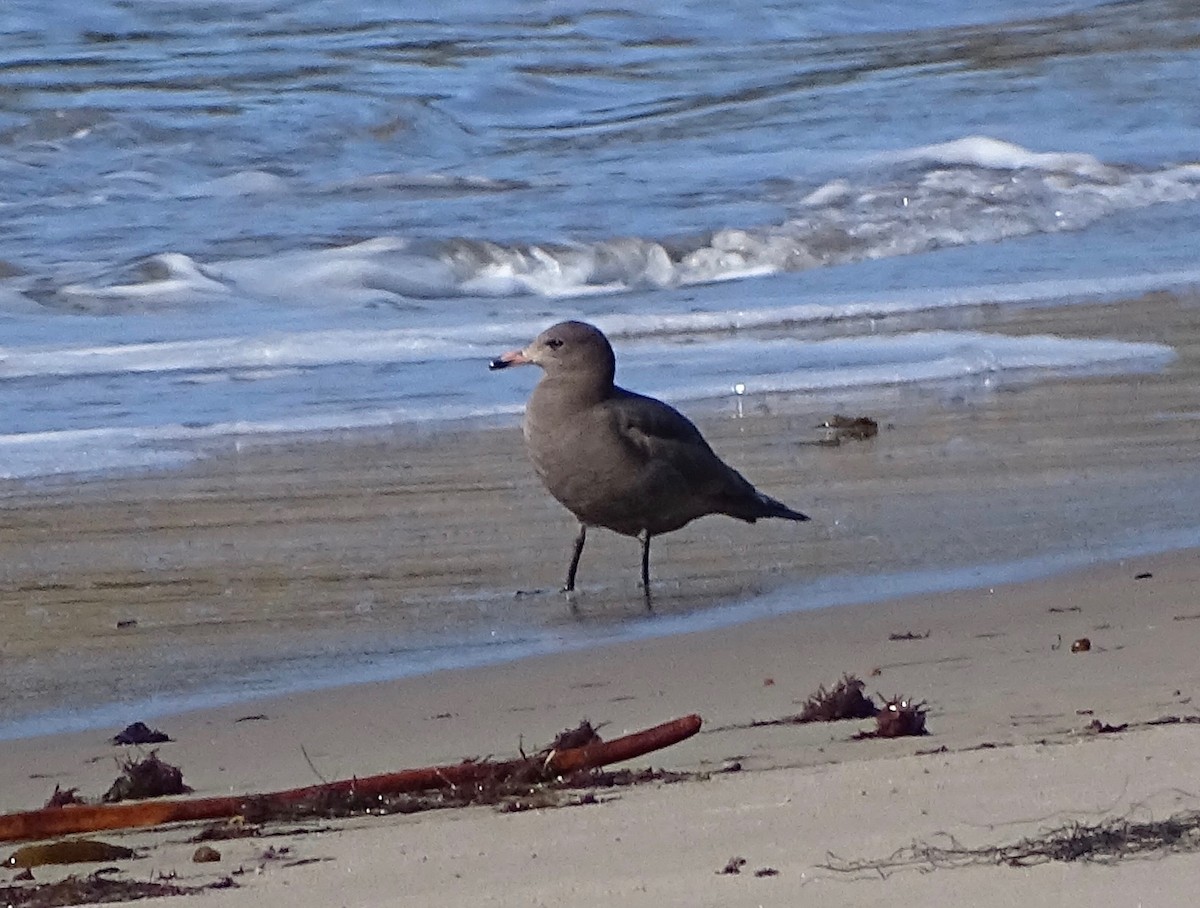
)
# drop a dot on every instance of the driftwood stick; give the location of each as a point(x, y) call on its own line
point(76, 818)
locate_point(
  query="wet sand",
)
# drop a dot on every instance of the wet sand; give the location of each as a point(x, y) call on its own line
point(270, 561)
point(276, 559)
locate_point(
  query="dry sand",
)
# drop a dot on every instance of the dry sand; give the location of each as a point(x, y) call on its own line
point(293, 555)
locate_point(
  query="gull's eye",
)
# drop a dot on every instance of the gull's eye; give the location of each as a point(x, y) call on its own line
point(554, 343)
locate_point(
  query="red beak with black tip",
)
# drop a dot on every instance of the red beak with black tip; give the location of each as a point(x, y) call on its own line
point(511, 358)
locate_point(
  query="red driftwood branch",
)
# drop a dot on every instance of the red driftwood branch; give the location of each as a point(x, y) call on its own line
point(75, 818)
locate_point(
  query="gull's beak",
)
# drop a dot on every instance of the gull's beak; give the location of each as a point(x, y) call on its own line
point(511, 358)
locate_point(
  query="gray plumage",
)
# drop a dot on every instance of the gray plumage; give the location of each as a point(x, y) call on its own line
point(620, 460)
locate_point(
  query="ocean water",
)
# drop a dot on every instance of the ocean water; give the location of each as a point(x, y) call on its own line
point(221, 221)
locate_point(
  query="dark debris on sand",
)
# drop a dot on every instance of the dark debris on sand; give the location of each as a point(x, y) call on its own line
point(149, 777)
point(508, 795)
point(226, 829)
point(844, 700)
point(568, 739)
point(97, 888)
point(140, 733)
point(1105, 842)
point(839, 429)
point(533, 788)
point(63, 797)
point(899, 718)
point(908, 635)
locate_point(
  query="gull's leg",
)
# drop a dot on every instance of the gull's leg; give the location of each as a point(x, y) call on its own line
point(580, 539)
point(644, 536)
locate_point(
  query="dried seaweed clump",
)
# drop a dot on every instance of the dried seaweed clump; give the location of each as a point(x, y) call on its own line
point(529, 790)
point(236, 828)
point(1105, 842)
point(733, 866)
point(95, 889)
point(899, 718)
point(581, 735)
point(62, 797)
point(527, 784)
point(140, 733)
point(149, 777)
point(839, 428)
point(844, 701)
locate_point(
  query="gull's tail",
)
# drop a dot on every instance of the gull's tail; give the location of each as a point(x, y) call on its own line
point(773, 508)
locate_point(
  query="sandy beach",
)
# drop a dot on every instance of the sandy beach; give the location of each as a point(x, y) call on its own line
point(1009, 755)
point(141, 591)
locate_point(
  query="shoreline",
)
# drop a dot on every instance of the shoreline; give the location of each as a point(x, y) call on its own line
point(731, 674)
point(436, 658)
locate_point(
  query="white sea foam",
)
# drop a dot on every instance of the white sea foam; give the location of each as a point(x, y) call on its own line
point(436, 182)
point(277, 350)
point(983, 151)
point(844, 307)
point(269, 352)
point(968, 192)
point(243, 183)
point(785, 365)
point(443, 385)
point(171, 278)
